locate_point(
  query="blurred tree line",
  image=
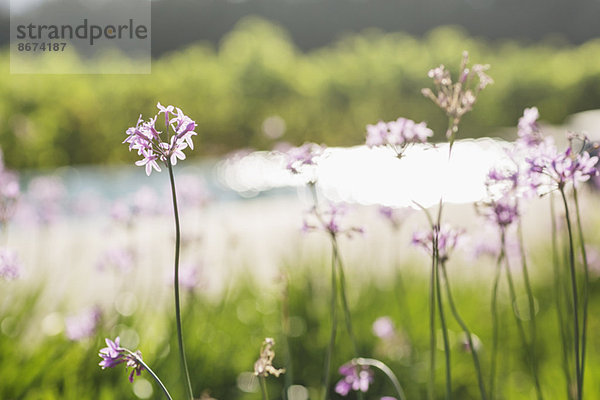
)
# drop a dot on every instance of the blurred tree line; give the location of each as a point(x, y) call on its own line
point(326, 95)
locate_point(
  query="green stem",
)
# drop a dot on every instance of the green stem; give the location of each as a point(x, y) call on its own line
point(333, 326)
point(494, 310)
point(586, 283)
point(184, 365)
point(520, 328)
point(467, 332)
point(432, 333)
point(443, 327)
point(386, 370)
point(559, 290)
point(152, 373)
point(575, 296)
point(263, 388)
point(532, 316)
point(342, 279)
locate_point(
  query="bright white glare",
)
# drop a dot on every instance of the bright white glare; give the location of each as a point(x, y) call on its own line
point(375, 176)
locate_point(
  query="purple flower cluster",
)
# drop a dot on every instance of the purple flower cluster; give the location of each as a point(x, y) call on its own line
point(447, 239)
point(154, 145)
point(114, 354)
point(562, 167)
point(354, 378)
point(397, 134)
point(330, 221)
point(10, 266)
point(528, 128)
point(457, 98)
point(298, 158)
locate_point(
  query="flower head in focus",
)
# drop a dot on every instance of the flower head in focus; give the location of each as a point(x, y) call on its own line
point(154, 145)
point(354, 378)
point(264, 365)
point(10, 266)
point(114, 354)
point(397, 135)
point(457, 98)
point(447, 240)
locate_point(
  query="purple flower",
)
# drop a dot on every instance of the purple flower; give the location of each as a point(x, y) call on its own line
point(10, 266)
point(156, 146)
point(447, 238)
point(298, 158)
point(383, 328)
point(354, 378)
point(330, 221)
point(114, 354)
point(82, 325)
point(528, 128)
point(397, 134)
point(561, 167)
point(395, 216)
point(503, 211)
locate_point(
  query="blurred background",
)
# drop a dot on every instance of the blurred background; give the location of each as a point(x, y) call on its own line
point(93, 233)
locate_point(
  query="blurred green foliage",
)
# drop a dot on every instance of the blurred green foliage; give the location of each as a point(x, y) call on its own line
point(223, 339)
point(327, 95)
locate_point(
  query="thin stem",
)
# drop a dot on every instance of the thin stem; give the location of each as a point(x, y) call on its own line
point(531, 303)
point(333, 326)
point(184, 365)
point(558, 290)
point(586, 283)
point(263, 387)
point(520, 328)
point(432, 333)
point(444, 328)
point(494, 310)
point(152, 373)
point(575, 296)
point(386, 370)
point(467, 332)
point(342, 279)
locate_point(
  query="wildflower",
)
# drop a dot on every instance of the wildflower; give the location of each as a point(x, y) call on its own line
point(528, 128)
point(264, 365)
point(10, 266)
point(447, 240)
point(166, 147)
point(395, 216)
point(457, 98)
point(114, 354)
point(354, 378)
point(330, 221)
point(83, 325)
point(561, 167)
point(298, 158)
point(398, 134)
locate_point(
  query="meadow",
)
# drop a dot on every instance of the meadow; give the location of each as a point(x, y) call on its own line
point(297, 297)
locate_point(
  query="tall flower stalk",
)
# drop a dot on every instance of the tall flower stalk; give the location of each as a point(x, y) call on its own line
point(166, 147)
point(554, 170)
point(303, 160)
